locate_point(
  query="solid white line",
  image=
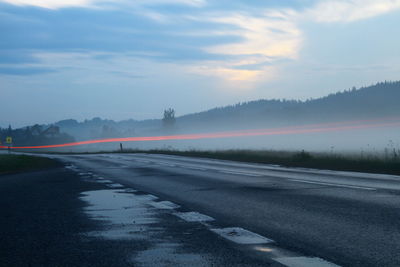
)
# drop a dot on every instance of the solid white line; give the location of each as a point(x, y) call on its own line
point(143, 161)
point(242, 173)
point(332, 184)
point(194, 168)
point(166, 164)
point(304, 262)
point(241, 236)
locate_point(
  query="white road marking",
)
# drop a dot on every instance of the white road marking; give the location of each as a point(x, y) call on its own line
point(164, 205)
point(241, 236)
point(333, 184)
point(147, 197)
point(304, 262)
point(143, 161)
point(193, 216)
point(242, 173)
point(130, 190)
point(166, 164)
point(71, 167)
point(194, 168)
point(104, 181)
point(115, 185)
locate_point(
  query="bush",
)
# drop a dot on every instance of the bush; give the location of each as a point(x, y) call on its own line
point(302, 156)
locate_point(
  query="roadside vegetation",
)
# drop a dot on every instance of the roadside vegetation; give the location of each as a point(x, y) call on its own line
point(17, 163)
point(389, 163)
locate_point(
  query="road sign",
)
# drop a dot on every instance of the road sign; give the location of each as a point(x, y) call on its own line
point(9, 140)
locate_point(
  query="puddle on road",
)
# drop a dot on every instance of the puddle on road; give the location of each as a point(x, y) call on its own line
point(164, 254)
point(125, 215)
point(128, 215)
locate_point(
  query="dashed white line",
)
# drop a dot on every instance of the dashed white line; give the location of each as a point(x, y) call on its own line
point(193, 216)
point(104, 181)
point(165, 205)
point(234, 234)
point(115, 185)
point(147, 197)
point(241, 236)
point(130, 190)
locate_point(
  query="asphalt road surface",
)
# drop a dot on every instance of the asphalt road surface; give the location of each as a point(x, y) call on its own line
point(343, 218)
point(68, 217)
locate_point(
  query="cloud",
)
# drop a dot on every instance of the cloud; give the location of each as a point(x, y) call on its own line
point(234, 44)
point(50, 4)
point(349, 10)
point(196, 3)
point(263, 36)
point(205, 37)
point(266, 38)
point(57, 4)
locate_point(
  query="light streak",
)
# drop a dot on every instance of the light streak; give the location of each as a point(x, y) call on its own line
point(304, 129)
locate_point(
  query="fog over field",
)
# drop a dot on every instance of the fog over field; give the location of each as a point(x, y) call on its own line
point(355, 121)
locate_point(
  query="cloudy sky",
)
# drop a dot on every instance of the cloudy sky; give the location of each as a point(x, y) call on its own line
point(121, 59)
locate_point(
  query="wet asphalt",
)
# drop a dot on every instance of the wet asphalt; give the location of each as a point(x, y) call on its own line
point(43, 223)
point(346, 226)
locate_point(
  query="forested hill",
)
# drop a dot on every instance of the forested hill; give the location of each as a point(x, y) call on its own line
point(380, 100)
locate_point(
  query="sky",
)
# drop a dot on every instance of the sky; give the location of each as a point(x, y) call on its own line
point(131, 59)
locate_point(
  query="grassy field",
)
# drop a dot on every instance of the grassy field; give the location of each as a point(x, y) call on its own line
point(374, 164)
point(16, 163)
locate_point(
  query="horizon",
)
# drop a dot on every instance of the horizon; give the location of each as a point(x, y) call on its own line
point(197, 112)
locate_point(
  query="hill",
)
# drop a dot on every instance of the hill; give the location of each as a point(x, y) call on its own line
point(376, 101)
point(380, 100)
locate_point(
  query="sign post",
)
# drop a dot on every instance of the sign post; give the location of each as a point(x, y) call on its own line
point(9, 143)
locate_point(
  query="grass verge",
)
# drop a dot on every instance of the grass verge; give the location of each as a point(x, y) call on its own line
point(17, 163)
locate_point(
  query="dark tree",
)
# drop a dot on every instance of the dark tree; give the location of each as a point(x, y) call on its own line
point(169, 118)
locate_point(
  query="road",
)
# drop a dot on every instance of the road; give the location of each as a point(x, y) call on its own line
point(349, 219)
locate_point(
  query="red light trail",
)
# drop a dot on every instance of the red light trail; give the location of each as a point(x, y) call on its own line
point(311, 128)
